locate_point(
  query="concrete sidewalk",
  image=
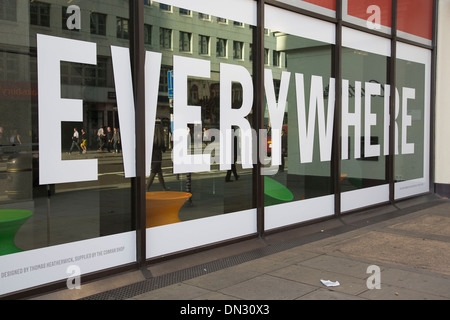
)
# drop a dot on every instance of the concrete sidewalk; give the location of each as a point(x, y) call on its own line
point(408, 242)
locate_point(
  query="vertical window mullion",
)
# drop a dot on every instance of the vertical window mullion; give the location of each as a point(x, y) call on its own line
point(336, 159)
point(258, 178)
point(392, 80)
point(137, 48)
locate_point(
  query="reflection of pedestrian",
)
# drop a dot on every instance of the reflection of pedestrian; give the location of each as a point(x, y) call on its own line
point(283, 148)
point(15, 138)
point(158, 149)
point(116, 140)
point(83, 141)
point(233, 165)
point(109, 137)
point(75, 141)
point(100, 138)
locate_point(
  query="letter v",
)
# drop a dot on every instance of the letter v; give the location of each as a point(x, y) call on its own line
point(125, 104)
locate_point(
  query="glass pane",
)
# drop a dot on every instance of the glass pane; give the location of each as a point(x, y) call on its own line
point(365, 114)
point(53, 163)
point(304, 69)
point(411, 121)
point(210, 192)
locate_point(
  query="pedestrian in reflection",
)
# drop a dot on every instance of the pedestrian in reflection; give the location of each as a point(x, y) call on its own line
point(100, 138)
point(283, 148)
point(158, 149)
point(83, 139)
point(109, 139)
point(14, 139)
point(233, 165)
point(116, 140)
point(75, 141)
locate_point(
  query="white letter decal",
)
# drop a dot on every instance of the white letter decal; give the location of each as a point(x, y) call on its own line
point(408, 93)
point(184, 114)
point(349, 119)
point(276, 110)
point(307, 130)
point(53, 109)
point(125, 107)
point(152, 74)
point(229, 116)
point(372, 89)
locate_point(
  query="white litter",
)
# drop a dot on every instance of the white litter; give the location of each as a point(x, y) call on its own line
point(329, 283)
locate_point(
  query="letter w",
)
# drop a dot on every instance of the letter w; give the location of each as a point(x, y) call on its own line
point(125, 105)
point(306, 130)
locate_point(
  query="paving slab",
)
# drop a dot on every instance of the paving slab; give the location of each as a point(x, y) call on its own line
point(268, 287)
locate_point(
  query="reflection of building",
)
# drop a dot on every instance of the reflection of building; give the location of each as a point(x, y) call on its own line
point(167, 29)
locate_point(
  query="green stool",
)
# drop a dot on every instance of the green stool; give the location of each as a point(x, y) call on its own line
point(275, 192)
point(10, 222)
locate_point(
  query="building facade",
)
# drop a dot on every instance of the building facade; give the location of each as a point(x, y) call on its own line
point(134, 130)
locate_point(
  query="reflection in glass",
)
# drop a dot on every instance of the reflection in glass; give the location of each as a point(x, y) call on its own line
point(303, 61)
point(364, 133)
point(67, 212)
point(410, 121)
point(204, 37)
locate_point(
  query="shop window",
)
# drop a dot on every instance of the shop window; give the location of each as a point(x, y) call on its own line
point(68, 215)
point(298, 119)
point(214, 194)
point(412, 143)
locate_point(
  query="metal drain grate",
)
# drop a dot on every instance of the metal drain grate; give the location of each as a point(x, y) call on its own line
point(162, 281)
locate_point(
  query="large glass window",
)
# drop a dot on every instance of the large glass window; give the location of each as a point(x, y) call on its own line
point(412, 114)
point(299, 118)
point(365, 119)
point(194, 196)
point(61, 166)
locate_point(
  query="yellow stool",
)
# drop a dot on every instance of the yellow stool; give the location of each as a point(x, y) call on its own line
point(162, 207)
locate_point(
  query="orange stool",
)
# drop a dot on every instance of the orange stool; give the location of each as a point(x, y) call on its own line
point(162, 207)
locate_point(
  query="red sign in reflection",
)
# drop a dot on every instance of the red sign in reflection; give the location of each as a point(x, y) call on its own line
point(416, 17)
point(18, 90)
point(329, 4)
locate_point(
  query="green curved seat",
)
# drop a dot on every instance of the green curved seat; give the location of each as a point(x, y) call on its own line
point(10, 222)
point(275, 192)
